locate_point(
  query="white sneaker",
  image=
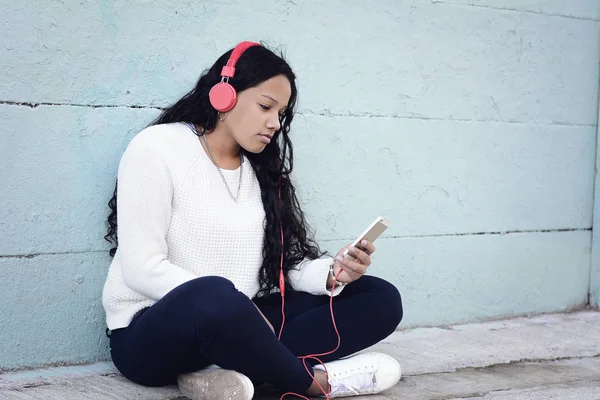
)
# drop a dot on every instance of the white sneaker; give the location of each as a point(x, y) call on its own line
point(214, 383)
point(365, 373)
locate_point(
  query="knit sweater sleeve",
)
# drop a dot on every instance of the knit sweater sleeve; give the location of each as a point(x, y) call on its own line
point(311, 276)
point(144, 195)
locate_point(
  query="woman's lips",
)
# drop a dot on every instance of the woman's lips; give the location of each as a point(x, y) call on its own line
point(265, 139)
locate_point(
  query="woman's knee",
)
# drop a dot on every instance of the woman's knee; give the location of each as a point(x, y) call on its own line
point(395, 301)
point(389, 299)
point(216, 301)
point(210, 297)
point(203, 289)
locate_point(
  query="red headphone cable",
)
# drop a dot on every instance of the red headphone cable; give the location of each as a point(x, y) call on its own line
point(282, 290)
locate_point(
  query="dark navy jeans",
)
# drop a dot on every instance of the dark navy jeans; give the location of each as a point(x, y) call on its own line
point(208, 321)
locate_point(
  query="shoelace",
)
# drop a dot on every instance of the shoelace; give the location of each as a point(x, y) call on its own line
point(353, 384)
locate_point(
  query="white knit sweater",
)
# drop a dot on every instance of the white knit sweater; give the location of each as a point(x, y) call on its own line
point(177, 222)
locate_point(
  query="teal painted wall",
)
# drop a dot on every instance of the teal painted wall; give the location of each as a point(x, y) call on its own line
point(471, 125)
point(595, 269)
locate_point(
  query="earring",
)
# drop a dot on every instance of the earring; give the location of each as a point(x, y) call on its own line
point(221, 119)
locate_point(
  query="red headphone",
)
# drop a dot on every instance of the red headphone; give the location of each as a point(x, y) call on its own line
point(223, 96)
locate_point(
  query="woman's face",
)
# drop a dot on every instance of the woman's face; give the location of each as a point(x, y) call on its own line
point(255, 117)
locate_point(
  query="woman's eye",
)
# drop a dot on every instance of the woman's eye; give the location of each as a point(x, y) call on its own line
point(266, 108)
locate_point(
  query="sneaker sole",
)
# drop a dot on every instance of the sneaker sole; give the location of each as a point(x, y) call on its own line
point(219, 384)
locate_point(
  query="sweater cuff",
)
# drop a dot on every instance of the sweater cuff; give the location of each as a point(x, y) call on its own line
point(311, 277)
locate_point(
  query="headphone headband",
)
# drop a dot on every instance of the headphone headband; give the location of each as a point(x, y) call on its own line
point(229, 69)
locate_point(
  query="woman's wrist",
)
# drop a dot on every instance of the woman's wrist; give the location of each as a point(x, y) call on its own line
point(333, 271)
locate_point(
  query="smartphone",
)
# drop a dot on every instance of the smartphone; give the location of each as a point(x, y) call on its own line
point(371, 233)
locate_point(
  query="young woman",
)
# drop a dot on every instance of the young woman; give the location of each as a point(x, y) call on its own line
point(205, 201)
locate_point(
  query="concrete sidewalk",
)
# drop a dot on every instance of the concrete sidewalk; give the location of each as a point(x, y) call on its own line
point(554, 356)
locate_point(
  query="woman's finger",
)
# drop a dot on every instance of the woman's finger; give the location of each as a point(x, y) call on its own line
point(368, 246)
point(360, 256)
point(352, 267)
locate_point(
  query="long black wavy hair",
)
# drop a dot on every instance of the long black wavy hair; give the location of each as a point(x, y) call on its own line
point(256, 65)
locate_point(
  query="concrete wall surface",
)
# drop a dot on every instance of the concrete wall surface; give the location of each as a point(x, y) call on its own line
point(470, 124)
point(595, 267)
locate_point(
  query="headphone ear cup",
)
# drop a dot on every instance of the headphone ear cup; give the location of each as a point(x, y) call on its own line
point(222, 96)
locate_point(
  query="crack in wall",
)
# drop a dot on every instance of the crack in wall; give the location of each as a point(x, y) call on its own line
point(37, 104)
point(502, 232)
point(351, 114)
point(521, 10)
point(474, 234)
point(33, 255)
point(305, 111)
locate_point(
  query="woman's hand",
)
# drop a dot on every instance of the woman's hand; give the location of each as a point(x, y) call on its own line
point(355, 264)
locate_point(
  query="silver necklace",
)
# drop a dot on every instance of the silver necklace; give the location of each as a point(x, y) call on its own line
point(212, 157)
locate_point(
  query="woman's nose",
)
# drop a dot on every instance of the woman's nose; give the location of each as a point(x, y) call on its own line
point(274, 124)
